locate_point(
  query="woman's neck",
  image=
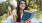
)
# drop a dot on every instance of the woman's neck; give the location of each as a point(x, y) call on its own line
point(21, 11)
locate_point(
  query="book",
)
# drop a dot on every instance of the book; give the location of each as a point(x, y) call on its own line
point(27, 15)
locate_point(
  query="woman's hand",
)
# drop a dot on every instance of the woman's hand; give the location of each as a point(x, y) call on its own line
point(28, 21)
point(9, 8)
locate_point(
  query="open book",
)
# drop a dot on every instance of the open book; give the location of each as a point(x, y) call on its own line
point(27, 15)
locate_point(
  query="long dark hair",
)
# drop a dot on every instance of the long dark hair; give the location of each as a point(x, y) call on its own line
point(18, 12)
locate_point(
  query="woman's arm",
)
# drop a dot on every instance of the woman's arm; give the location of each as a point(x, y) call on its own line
point(9, 13)
point(14, 18)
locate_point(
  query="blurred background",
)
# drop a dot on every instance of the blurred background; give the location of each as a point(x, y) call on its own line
point(32, 5)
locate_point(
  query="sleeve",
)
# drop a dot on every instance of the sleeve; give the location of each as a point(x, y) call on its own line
point(14, 13)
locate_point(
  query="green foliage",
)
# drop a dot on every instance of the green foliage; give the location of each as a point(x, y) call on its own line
point(40, 22)
point(38, 15)
point(4, 7)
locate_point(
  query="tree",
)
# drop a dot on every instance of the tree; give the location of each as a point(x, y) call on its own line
point(41, 5)
point(4, 7)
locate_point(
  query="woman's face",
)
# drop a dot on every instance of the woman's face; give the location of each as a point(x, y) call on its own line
point(22, 5)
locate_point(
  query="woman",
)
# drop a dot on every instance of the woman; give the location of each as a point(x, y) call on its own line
point(9, 16)
point(9, 11)
point(17, 14)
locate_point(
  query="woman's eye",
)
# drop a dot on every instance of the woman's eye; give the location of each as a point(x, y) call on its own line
point(22, 3)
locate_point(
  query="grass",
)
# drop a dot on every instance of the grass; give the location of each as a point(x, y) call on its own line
point(40, 22)
point(38, 15)
point(2, 17)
